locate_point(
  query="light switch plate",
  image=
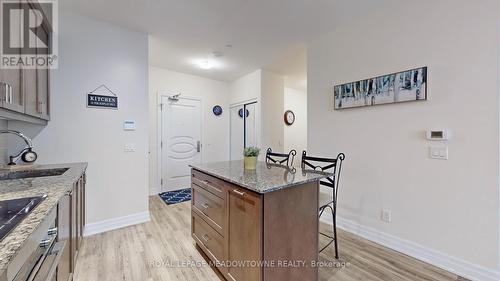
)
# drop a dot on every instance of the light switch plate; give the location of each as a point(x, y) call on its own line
point(129, 125)
point(439, 152)
point(130, 147)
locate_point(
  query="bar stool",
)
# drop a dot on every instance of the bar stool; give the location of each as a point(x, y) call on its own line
point(334, 166)
point(280, 158)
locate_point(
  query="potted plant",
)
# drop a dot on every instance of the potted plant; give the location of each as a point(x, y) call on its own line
point(250, 156)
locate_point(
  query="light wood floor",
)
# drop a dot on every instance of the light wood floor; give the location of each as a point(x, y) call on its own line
point(152, 251)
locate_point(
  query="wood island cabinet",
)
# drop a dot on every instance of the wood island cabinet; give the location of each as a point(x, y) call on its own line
point(244, 235)
point(71, 223)
point(238, 229)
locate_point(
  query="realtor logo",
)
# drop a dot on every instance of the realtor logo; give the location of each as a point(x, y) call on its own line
point(27, 36)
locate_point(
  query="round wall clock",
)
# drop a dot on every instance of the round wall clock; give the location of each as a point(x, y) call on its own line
point(289, 117)
point(217, 110)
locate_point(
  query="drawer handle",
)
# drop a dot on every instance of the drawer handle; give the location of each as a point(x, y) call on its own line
point(240, 193)
point(52, 231)
point(206, 238)
point(206, 206)
point(208, 183)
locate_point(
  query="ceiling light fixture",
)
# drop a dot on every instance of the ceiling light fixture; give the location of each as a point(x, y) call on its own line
point(206, 64)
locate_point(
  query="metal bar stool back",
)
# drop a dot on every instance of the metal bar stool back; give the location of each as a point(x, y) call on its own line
point(334, 166)
point(280, 158)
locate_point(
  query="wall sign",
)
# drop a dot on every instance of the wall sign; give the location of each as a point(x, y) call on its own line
point(102, 101)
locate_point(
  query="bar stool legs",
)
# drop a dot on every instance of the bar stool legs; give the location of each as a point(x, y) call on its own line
point(333, 239)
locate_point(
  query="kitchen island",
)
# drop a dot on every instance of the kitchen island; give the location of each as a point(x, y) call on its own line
point(257, 225)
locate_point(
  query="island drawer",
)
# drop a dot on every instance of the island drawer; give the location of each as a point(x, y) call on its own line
point(209, 183)
point(207, 238)
point(210, 207)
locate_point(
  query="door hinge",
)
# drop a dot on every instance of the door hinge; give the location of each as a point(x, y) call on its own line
point(161, 144)
point(161, 182)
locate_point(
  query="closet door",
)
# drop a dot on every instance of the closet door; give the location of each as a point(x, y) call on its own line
point(244, 129)
point(236, 139)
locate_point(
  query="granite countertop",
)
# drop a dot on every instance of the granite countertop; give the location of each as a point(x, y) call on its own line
point(266, 178)
point(55, 187)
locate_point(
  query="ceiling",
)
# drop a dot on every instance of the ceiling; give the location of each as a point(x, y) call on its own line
point(251, 34)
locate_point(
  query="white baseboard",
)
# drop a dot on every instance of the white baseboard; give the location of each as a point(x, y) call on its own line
point(433, 257)
point(112, 224)
point(154, 191)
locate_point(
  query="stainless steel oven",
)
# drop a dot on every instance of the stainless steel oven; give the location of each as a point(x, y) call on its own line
point(38, 259)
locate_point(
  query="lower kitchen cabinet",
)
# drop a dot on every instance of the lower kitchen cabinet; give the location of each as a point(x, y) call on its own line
point(70, 223)
point(64, 234)
point(244, 234)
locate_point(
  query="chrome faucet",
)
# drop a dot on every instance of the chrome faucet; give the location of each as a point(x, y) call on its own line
point(27, 154)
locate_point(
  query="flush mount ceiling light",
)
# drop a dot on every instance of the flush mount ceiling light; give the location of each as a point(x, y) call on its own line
point(206, 64)
point(209, 62)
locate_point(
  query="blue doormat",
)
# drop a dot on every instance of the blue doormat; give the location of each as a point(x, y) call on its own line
point(176, 196)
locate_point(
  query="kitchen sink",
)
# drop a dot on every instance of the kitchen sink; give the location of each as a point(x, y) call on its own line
point(33, 174)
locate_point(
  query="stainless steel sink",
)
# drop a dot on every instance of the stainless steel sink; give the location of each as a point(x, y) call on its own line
point(32, 174)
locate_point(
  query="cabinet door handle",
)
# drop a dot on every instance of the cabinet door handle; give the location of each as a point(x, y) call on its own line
point(5, 96)
point(7, 93)
point(9, 97)
point(240, 193)
point(4, 88)
point(206, 206)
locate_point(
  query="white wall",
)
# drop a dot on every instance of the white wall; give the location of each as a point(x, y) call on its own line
point(448, 206)
point(92, 53)
point(215, 128)
point(272, 97)
point(295, 136)
point(246, 88)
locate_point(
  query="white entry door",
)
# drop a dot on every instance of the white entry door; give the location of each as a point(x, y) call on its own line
point(181, 141)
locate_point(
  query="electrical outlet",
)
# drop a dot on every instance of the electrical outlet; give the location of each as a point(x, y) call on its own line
point(386, 215)
point(439, 152)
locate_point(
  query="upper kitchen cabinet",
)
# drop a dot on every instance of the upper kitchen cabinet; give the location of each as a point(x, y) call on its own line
point(11, 97)
point(36, 92)
point(11, 92)
point(25, 92)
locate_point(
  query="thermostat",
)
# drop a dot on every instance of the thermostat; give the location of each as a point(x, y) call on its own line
point(438, 135)
point(129, 125)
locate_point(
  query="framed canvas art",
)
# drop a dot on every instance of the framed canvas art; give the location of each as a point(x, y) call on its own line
point(410, 85)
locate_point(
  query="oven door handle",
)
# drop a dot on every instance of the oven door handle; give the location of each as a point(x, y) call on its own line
point(47, 271)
